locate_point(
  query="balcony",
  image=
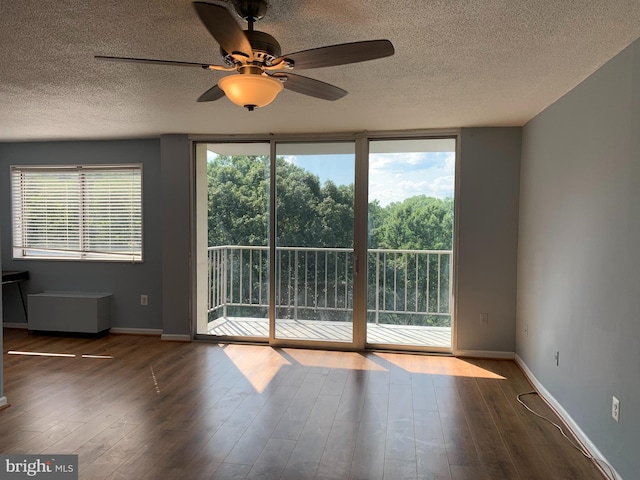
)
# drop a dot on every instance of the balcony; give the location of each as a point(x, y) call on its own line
point(408, 299)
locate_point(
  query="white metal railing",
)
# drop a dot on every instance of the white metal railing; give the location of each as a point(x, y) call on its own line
point(408, 283)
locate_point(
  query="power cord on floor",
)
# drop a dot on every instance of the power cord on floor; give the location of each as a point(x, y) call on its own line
point(574, 445)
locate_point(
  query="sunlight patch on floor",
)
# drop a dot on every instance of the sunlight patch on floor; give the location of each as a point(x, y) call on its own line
point(41, 354)
point(51, 354)
point(331, 359)
point(258, 364)
point(437, 365)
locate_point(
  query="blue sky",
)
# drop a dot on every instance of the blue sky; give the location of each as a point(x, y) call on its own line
point(392, 176)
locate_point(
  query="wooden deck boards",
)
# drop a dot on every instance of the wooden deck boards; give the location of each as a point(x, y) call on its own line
point(332, 331)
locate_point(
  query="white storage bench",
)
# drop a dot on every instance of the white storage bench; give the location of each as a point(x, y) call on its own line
point(70, 312)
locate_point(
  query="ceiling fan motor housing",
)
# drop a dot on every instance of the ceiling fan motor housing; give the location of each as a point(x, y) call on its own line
point(265, 48)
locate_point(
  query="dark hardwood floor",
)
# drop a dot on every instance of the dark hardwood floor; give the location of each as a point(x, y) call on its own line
point(134, 407)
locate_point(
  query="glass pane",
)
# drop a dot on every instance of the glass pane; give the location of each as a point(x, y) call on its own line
point(237, 229)
point(409, 286)
point(314, 262)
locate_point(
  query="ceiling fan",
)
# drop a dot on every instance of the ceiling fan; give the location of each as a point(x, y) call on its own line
point(262, 71)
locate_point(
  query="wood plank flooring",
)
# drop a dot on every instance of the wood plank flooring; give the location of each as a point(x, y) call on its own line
point(134, 407)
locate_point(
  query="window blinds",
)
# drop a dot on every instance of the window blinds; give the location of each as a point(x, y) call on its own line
point(77, 212)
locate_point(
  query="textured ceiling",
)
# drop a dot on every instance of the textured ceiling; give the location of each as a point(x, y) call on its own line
point(457, 63)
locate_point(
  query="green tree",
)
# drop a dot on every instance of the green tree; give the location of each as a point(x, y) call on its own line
point(309, 214)
point(417, 223)
point(377, 219)
point(238, 200)
point(335, 215)
point(298, 193)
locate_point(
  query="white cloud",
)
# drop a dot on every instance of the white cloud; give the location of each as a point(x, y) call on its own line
point(377, 162)
point(394, 177)
point(444, 186)
point(414, 158)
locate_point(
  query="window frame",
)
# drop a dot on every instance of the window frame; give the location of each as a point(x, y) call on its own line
point(82, 253)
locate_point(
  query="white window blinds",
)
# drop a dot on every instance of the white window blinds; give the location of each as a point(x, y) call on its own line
point(76, 212)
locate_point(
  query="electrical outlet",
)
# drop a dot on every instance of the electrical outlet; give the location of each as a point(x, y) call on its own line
point(144, 300)
point(615, 409)
point(484, 318)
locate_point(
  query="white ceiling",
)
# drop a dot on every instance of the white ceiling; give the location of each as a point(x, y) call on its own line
point(458, 63)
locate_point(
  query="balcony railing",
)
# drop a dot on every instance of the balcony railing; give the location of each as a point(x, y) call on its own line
point(408, 287)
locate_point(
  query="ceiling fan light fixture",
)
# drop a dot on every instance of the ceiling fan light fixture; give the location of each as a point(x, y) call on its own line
point(250, 91)
point(256, 56)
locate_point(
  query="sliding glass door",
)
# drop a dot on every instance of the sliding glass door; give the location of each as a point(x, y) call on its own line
point(314, 242)
point(342, 244)
point(234, 206)
point(410, 256)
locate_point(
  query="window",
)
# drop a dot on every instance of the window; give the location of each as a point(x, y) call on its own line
point(77, 212)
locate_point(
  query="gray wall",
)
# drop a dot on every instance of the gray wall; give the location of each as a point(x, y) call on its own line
point(176, 239)
point(487, 239)
point(125, 281)
point(1, 329)
point(488, 206)
point(579, 260)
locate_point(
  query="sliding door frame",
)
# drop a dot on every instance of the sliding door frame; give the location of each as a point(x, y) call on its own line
point(360, 246)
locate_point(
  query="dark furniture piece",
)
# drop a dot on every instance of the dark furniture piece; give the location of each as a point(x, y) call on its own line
point(17, 278)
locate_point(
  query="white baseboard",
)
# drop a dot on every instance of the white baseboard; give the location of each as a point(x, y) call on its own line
point(173, 337)
point(129, 331)
point(119, 330)
point(499, 355)
point(566, 418)
point(3, 402)
point(136, 331)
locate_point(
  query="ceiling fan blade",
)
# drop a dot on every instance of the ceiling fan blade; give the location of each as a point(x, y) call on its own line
point(311, 87)
point(224, 29)
point(155, 62)
point(339, 54)
point(214, 93)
